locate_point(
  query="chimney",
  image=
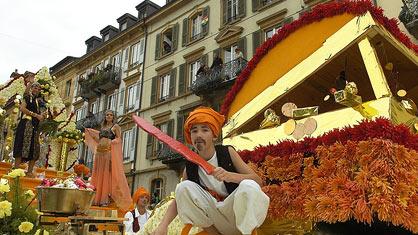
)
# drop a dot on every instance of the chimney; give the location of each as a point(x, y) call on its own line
point(126, 21)
point(92, 43)
point(146, 8)
point(108, 32)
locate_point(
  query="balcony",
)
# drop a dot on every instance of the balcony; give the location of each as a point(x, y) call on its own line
point(409, 16)
point(100, 82)
point(219, 77)
point(107, 79)
point(90, 121)
point(172, 159)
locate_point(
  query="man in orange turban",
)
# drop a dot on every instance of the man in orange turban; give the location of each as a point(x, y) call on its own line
point(230, 200)
point(139, 215)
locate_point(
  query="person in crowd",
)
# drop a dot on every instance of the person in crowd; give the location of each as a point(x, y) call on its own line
point(139, 215)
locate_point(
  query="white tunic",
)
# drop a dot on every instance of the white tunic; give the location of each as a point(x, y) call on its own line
point(211, 182)
point(142, 220)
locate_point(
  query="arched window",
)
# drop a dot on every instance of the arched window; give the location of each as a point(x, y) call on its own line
point(156, 191)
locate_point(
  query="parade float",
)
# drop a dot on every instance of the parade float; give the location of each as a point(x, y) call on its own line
point(325, 113)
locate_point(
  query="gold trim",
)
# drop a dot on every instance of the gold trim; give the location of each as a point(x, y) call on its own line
point(374, 69)
point(340, 40)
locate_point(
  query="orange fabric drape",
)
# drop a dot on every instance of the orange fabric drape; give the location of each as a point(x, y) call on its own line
point(108, 165)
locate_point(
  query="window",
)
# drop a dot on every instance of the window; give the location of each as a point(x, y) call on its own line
point(123, 26)
point(94, 107)
point(153, 145)
point(166, 42)
point(270, 32)
point(125, 56)
point(193, 67)
point(156, 190)
point(67, 88)
point(137, 52)
point(106, 37)
point(81, 113)
point(196, 26)
point(98, 68)
point(131, 98)
point(229, 53)
point(116, 61)
point(111, 101)
point(129, 144)
point(89, 158)
point(164, 87)
point(232, 10)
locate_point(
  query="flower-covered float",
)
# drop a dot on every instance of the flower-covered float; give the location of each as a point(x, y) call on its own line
point(325, 113)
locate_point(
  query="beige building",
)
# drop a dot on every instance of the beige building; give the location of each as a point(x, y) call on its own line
point(167, 67)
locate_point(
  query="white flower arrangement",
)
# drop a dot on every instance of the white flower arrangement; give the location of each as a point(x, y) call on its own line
point(16, 87)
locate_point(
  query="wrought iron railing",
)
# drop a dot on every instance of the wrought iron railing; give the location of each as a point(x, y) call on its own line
point(214, 77)
point(409, 16)
point(91, 120)
point(100, 81)
point(166, 154)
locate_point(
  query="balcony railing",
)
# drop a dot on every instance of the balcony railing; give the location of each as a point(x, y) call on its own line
point(409, 16)
point(101, 81)
point(91, 121)
point(218, 76)
point(167, 156)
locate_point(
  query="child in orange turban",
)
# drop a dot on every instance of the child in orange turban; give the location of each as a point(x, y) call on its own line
point(230, 200)
point(139, 214)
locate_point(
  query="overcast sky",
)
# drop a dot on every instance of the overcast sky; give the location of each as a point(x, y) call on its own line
point(37, 33)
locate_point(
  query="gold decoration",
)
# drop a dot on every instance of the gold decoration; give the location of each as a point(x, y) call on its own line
point(347, 99)
point(299, 131)
point(61, 162)
point(287, 109)
point(15, 110)
point(416, 126)
point(305, 112)
point(410, 106)
point(289, 126)
point(310, 126)
point(270, 119)
point(401, 93)
point(2, 101)
point(351, 88)
point(389, 66)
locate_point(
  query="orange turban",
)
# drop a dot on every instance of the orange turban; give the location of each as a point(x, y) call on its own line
point(138, 193)
point(204, 115)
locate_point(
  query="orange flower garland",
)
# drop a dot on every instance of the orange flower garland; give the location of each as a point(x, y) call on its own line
point(363, 180)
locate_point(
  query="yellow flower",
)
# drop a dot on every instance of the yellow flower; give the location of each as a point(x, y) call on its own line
point(25, 227)
point(5, 209)
point(4, 188)
point(16, 173)
point(29, 194)
point(39, 232)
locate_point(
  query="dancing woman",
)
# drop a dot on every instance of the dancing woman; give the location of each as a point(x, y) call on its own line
point(108, 174)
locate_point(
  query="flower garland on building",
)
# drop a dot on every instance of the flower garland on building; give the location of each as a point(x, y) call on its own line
point(368, 173)
point(318, 13)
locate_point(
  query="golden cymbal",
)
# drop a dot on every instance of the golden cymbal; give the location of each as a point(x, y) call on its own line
point(287, 109)
point(289, 126)
point(401, 93)
point(310, 126)
point(299, 131)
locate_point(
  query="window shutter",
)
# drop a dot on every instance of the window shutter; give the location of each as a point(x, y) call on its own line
point(180, 123)
point(138, 95)
point(121, 102)
point(133, 139)
point(172, 89)
point(149, 146)
point(175, 36)
point(225, 11)
point(242, 44)
point(182, 79)
point(255, 4)
point(170, 128)
point(141, 51)
point(185, 36)
point(256, 40)
point(205, 27)
point(241, 8)
point(158, 46)
point(154, 90)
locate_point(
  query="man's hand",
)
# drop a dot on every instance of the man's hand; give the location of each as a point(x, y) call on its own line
point(222, 175)
point(161, 230)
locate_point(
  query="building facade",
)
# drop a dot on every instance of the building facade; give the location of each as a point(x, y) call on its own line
point(168, 61)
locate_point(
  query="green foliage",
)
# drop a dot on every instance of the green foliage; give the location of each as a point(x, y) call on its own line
point(21, 210)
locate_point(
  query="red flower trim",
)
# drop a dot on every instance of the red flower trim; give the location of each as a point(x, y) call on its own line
point(317, 14)
point(380, 128)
